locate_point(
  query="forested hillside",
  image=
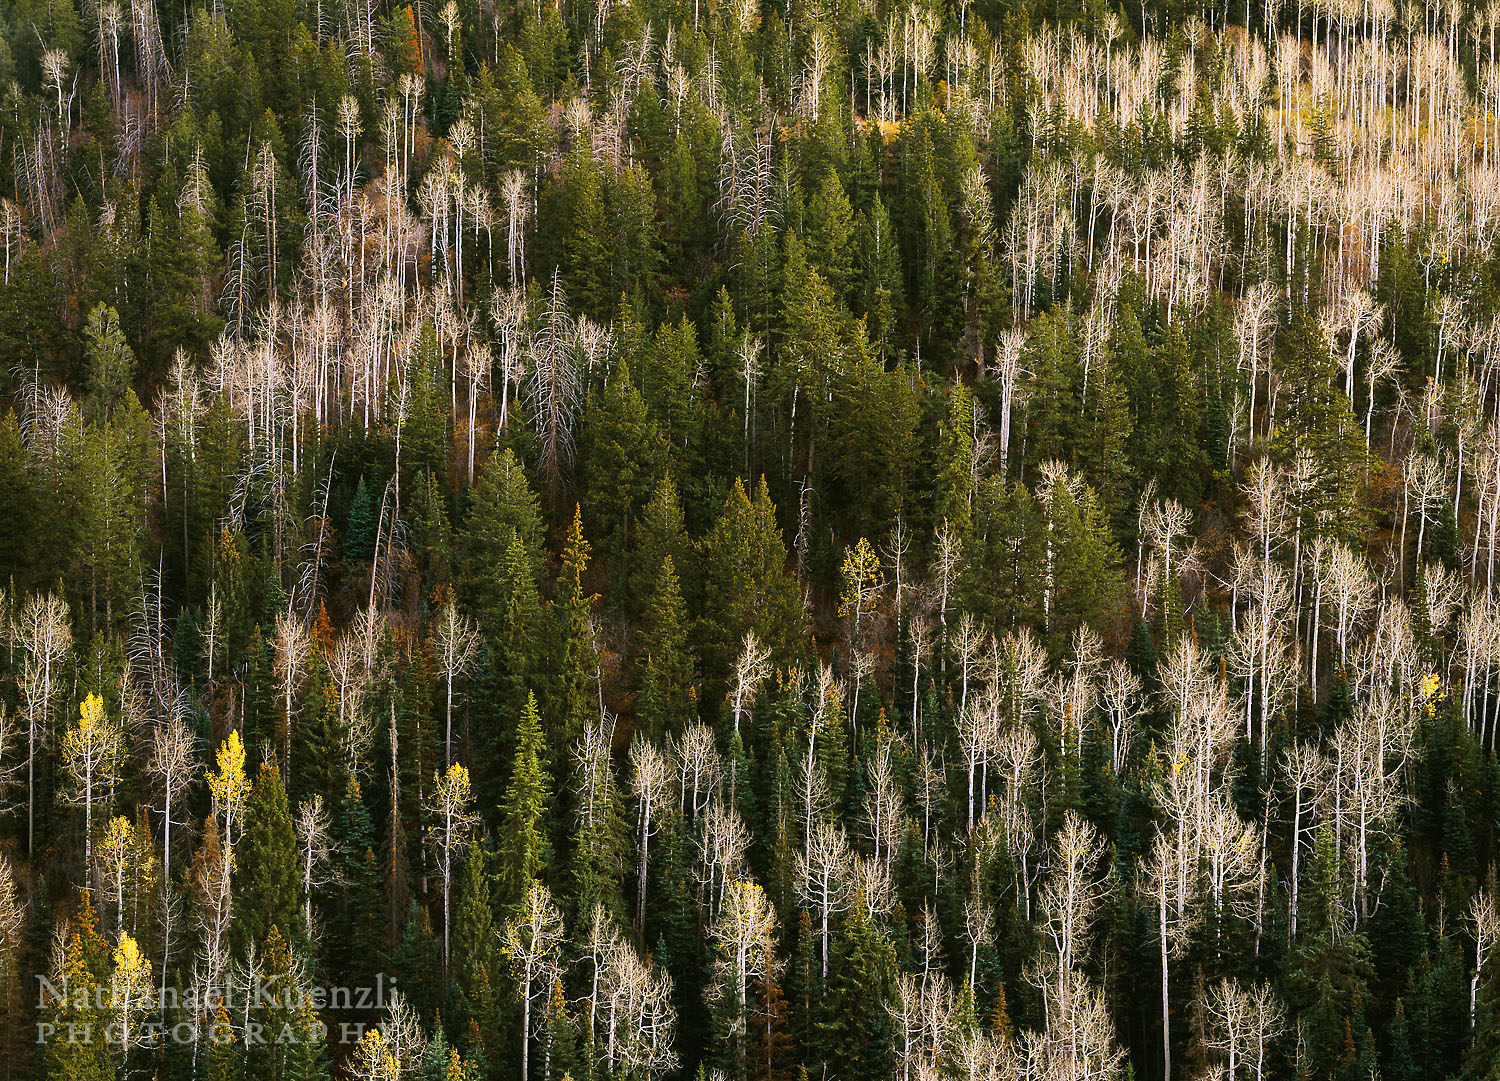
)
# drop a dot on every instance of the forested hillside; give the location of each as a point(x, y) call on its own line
point(809, 541)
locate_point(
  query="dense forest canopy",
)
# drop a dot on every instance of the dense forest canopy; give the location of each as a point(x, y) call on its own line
point(810, 540)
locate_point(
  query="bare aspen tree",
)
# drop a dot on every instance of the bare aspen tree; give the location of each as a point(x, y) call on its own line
point(455, 642)
point(1384, 363)
point(533, 942)
point(1351, 592)
point(636, 1030)
point(752, 668)
point(1305, 769)
point(969, 643)
point(919, 630)
point(293, 647)
point(1162, 882)
point(348, 667)
point(885, 809)
point(823, 871)
point(651, 776)
point(947, 552)
point(1123, 703)
point(1020, 756)
point(554, 391)
point(1252, 328)
point(1427, 479)
point(978, 733)
point(749, 357)
point(45, 638)
point(314, 852)
point(1484, 915)
point(722, 848)
point(172, 765)
point(518, 210)
point(1008, 352)
point(922, 1012)
point(1163, 524)
point(1241, 1024)
point(699, 767)
point(1072, 896)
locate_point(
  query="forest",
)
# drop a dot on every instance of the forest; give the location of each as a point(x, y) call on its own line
point(749, 540)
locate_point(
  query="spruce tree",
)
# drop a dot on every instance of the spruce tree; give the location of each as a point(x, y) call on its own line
point(746, 588)
point(502, 504)
point(623, 458)
point(665, 701)
point(266, 881)
point(525, 812)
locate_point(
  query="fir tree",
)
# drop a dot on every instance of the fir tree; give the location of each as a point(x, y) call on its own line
point(525, 812)
point(665, 699)
point(266, 882)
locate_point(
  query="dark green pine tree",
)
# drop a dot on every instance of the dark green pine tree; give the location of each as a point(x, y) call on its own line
point(475, 953)
point(266, 882)
point(18, 503)
point(672, 927)
point(1327, 972)
point(360, 524)
point(317, 766)
point(275, 1014)
point(830, 232)
point(1400, 1064)
point(524, 815)
point(224, 1050)
point(722, 352)
point(623, 458)
point(669, 387)
point(600, 841)
point(181, 266)
point(1104, 437)
point(746, 588)
point(514, 660)
point(566, 1058)
point(420, 404)
point(358, 891)
point(306, 1047)
point(416, 961)
point(514, 121)
point(880, 293)
point(1085, 572)
point(666, 698)
point(574, 237)
point(873, 444)
point(854, 1033)
point(662, 532)
point(502, 507)
point(1054, 406)
point(955, 470)
point(110, 362)
point(632, 212)
point(31, 334)
point(1314, 420)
